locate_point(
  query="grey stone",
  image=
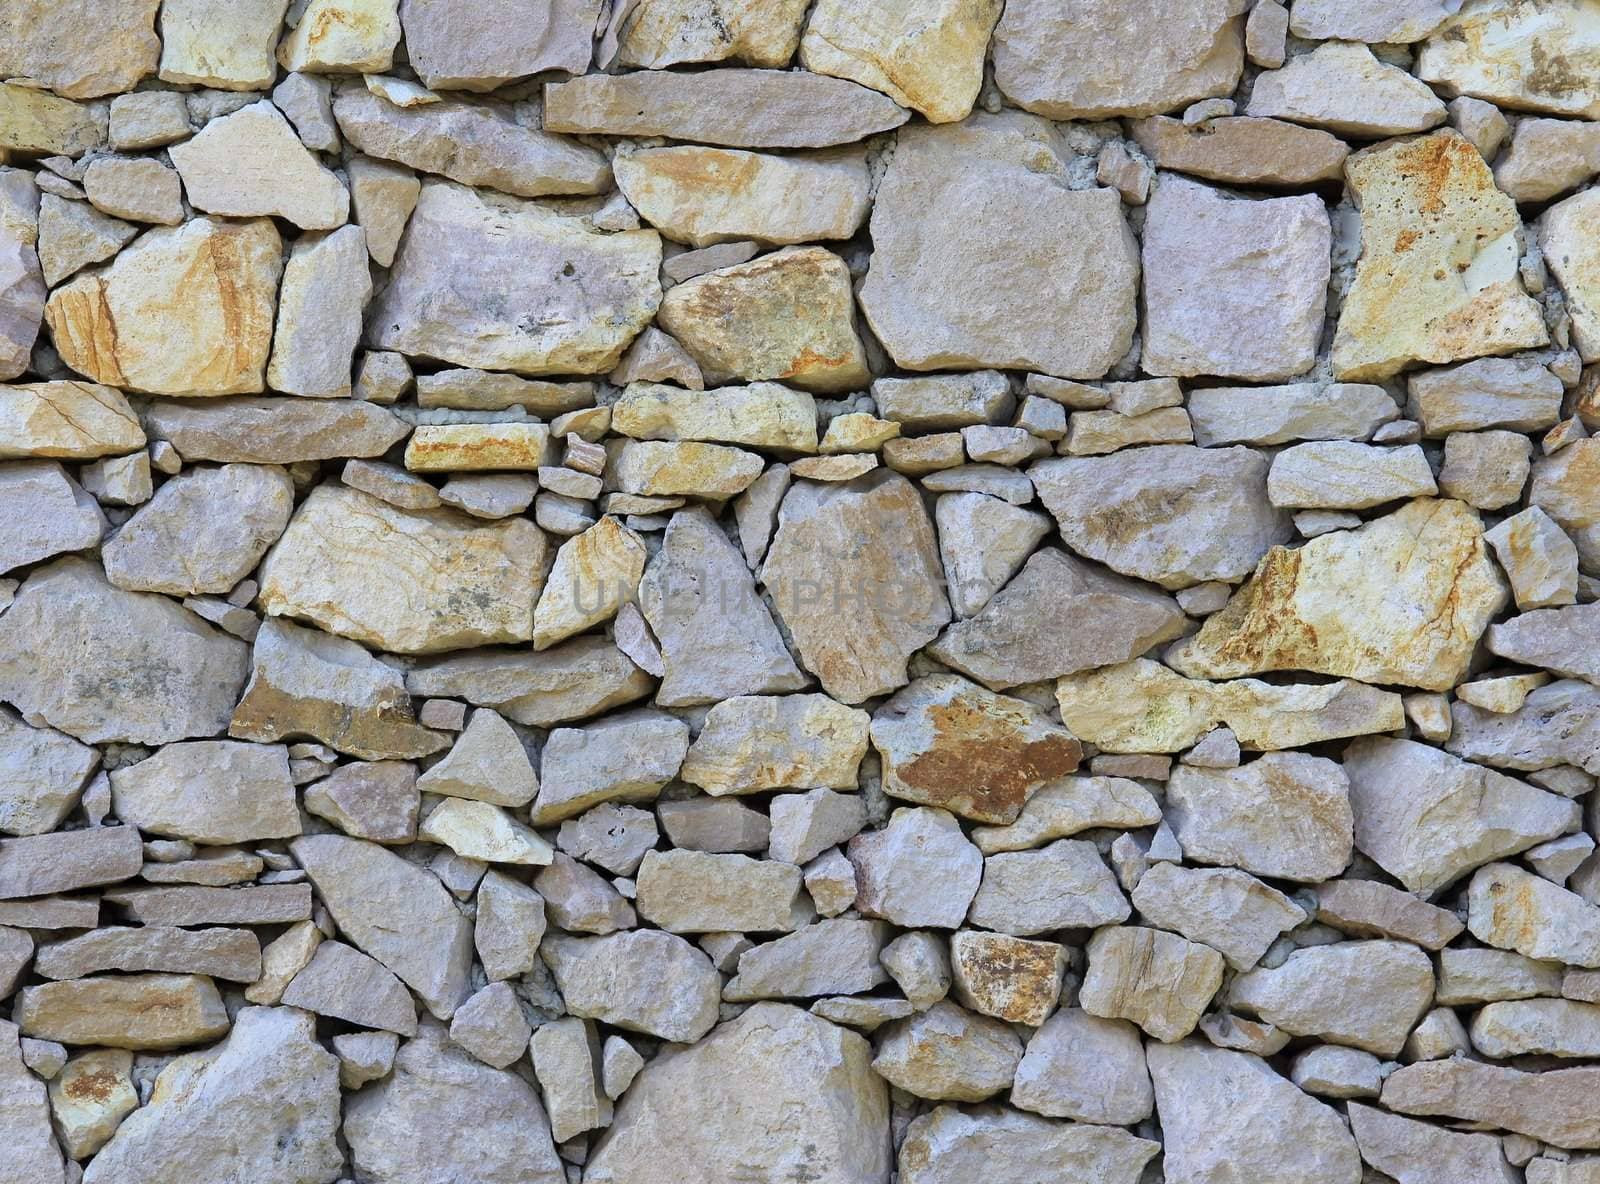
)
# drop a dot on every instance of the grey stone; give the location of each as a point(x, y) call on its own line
point(209, 791)
point(1085, 1068)
point(642, 981)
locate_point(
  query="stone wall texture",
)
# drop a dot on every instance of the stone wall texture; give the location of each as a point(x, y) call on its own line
point(799, 591)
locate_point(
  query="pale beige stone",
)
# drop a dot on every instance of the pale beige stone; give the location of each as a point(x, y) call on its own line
point(1567, 234)
point(1070, 805)
point(1000, 1146)
point(1241, 150)
point(485, 832)
point(326, 285)
point(1160, 981)
point(209, 791)
point(80, 49)
point(74, 235)
point(1548, 157)
point(273, 430)
point(251, 164)
point(1342, 87)
point(1369, 20)
point(1559, 1107)
point(136, 188)
point(227, 44)
point(595, 573)
point(382, 196)
point(658, 33)
point(89, 1098)
point(1365, 994)
point(760, 415)
point(928, 57)
point(137, 1011)
point(754, 743)
point(66, 420)
point(1538, 557)
point(1434, 290)
point(38, 122)
point(1347, 475)
point(1527, 57)
point(343, 35)
point(481, 45)
point(660, 468)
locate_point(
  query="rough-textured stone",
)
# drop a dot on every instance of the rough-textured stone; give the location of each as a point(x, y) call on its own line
point(53, 514)
point(42, 775)
point(1557, 1107)
point(624, 757)
point(1231, 912)
point(1158, 980)
point(484, 45)
point(643, 980)
point(79, 49)
point(209, 791)
point(1526, 58)
point(948, 1054)
point(1513, 909)
point(66, 421)
point(139, 1011)
point(949, 1145)
point(1007, 977)
point(1346, 89)
point(753, 743)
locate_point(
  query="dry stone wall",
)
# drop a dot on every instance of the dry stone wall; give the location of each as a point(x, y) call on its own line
point(759, 591)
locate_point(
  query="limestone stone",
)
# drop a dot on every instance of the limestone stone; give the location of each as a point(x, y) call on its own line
point(383, 196)
point(947, 1053)
point(697, 892)
point(1200, 239)
point(1372, 908)
point(42, 776)
point(1243, 150)
point(701, 196)
point(1552, 638)
point(33, 1156)
point(1163, 58)
point(1233, 913)
point(1344, 88)
point(661, 468)
point(188, 673)
point(641, 980)
point(36, 121)
point(800, 1065)
point(497, 253)
point(338, 35)
point(209, 791)
point(1160, 981)
point(928, 59)
point(364, 1056)
point(1486, 393)
point(657, 33)
point(1174, 514)
point(481, 46)
point(1007, 977)
point(325, 287)
point(595, 572)
point(919, 869)
point(1427, 817)
point(1085, 1068)
point(418, 582)
point(221, 44)
point(232, 954)
point(395, 912)
point(1547, 157)
point(162, 318)
point(830, 957)
point(574, 680)
point(89, 1098)
point(474, 144)
point(655, 357)
point(137, 188)
point(138, 1011)
point(1553, 727)
point(79, 50)
point(1565, 237)
point(1564, 488)
point(1538, 558)
point(1345, 475)
point(949, 1145)
point(273, 431)
point(487, 763)
point(1064, 885)
point(73, 235)
point(1333, 1071)
point(1436, 290)
point(346, 984)
point(1487, 470)
point(1557, 1107)
point(1419, 1152)
point(510, 924)
point(1528, 59)
point(760, 415)
point(566, 1058)
point(63, 860)
point(919, 295)
point(449, 448)
point(204, 531)
point(948, 743)
point(22, 283)
point(1069, 805)
point(66, 420)
point(729, 108)
point(610, 836)
point(53, 514)
point(983, 541)
point(624, 757)
point(1405, 22)
point(442, 1108)
point(1320, 608)
point(1544, 1027)
point(753, 743)
point(1513, 909)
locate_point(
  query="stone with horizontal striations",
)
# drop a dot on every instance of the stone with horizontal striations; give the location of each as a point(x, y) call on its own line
point(752, 743)
point(42, 775)
point(1344, 88)
point(574, 680)
point(1158, 58)
point(479, 46)
point(1284, 414)
point(51, 514)
point(1560, 1107)
point(448, 448)
point(1160, 981)
point(674, 468)
point(409, 581)
point(999, 1146)
point(1243, 150)
point(624, 757)
point(1346, 475)
point(760, 415)
point(1427, 817)
point(642, 980)
point(1534, 57)
point(834, 957)
point(187, 673)
point(1231, 912)
point(80, 49)
point(1436, 289)
point(1069, 805)
point(988, 197)
point(64, 860)
point(185, 310)
point(209, 791)
point(138, 1011)
point(1402, 599)
point(730, 108)
point(233, 954)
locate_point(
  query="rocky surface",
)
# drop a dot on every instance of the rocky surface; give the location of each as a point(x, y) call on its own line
point(675, 590)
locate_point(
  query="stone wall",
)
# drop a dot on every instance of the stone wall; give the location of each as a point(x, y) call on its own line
point(757, 591)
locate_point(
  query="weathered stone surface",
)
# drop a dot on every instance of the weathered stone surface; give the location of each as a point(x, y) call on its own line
point(67, 421)
point(1368, 994)
point(273, 431)
point(89, 1097)
point(867, 544)
point(595, 572)
point(1526, 58)
point(1344, 88)
point(33, 1156)
point(510, 924)
point(448, 581)
point(1085, 1068)
point(658, 33)
point(1165, 58)
point(209, 791)
point(803, 1066)
point(686, 891)
point(1513, 909)
point(1556, 725)
point(443, 1108)
point(1262, 312)
point(52, 514)
point(1069, 805)
point(752, 743)
point(1538, 558)
point(760, 415)
point(1564, 487)
point(1434, 290)
point(624, 757)
point(919, 296)
point(73, 235)
point(42, 775)
point(983, 541)
point(1160, 981)
point(574, 680)
point(182, 311)
point(1007, 977)
point(1283, 414)
point(948, 1054)
point(137, 1011)
point(642, 980)
point(1065, 885)
point(1242, 150)
point(949, 1145)
point(1366, 20)
point(731, 108)
point(945, 742)
point(346, 984)
point(1233, 913)
point(484, 45)
point(77, 49)
point(396, 912)
point(1420, 1153)
point(1372, 908)
point(1558, 1107)
point(220, 43)
point(63, 860)
point(251, 164)
point(325, 287)
point(1346, 475)
point(1554, 638)
point(22, 284)
point(338, 35)
point(1320, 608)
point(1544, 1027)
point(830, 957)
point(188, 673)
point(1486, 393)
point(494, 253)
point(233, 954)
point(1566, 239)
point(919, 869)
point(1427, 818)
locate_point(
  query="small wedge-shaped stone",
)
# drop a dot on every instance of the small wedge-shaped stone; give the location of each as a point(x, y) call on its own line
point(1558, 639)
point(1402, 599)
point(1367, 994)
point(66, 421)
point(1344, 88)
point(1517, 910)
point(204, 531)
point(71, 645)
point(701, 196)
point(262, 1105)
point(836, 957)
point(185, 310)
point(760, 415)
point(999, 1146)
point(1016, 638)
point(73, 235)
point(64, 860)
point(698, 892)
point(788, 316)
point(140, 1011)
point(581, 678)
point(326, 285)
point(595, 573)
point(233, 954)
point(497, 254)
point(1525, 57)
point(90, 1096)
point(1437, 280)
point(209, 791)
point(945, 742)
point(396, 912)
point(310, 684)
point(1160, 981)
point(1158, 58)
point(347, 985)
point(1230, 1116)
point(1068, 806)
point(408, 581)
point(274, 431)
point(1346, 475)
point(485, 832)
point(251, 164)
point(983, 541)
point(865, 547)
point(1231, 912)
point(53, 514)
point(1427, 818)
point(752, 743)
point(510, 925)
point(731, 108)
point(1241, 150)
point(932, 232)
point(42, 774)
point(487, 763)
point(475, 144)
point(625, 757)
point(642, 980)
point(1286, 814)
point(1372, 908)
point(1560, 1107)
point(1173, 514)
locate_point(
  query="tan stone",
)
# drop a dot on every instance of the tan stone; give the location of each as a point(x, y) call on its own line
point(595, 573)
point(1525, 56)
point(273, 431)
point(661, 468)
point(1437, 280)
point(657, 33)
point(407, 581)
point(926, 56)
point(383, 196)
point(1142, 706)
point(343, 35)
point(1241, 150)
point(1010, 978)
point(1160, 981)
point(1568, 233)
point(760, 415)
point(251, 164)
point(753, 743)
point(139, 1011)
point(702, 196)
point(1559, 1107)
point(448, 448)
point(74, 235)
point(1343, 87)
point(181, 311)
point(1402, 599)
point(227, 44)
point(1547, 157)
point(38, 122)
point(81, 49)
point(66, 421)
point(89, 1098)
